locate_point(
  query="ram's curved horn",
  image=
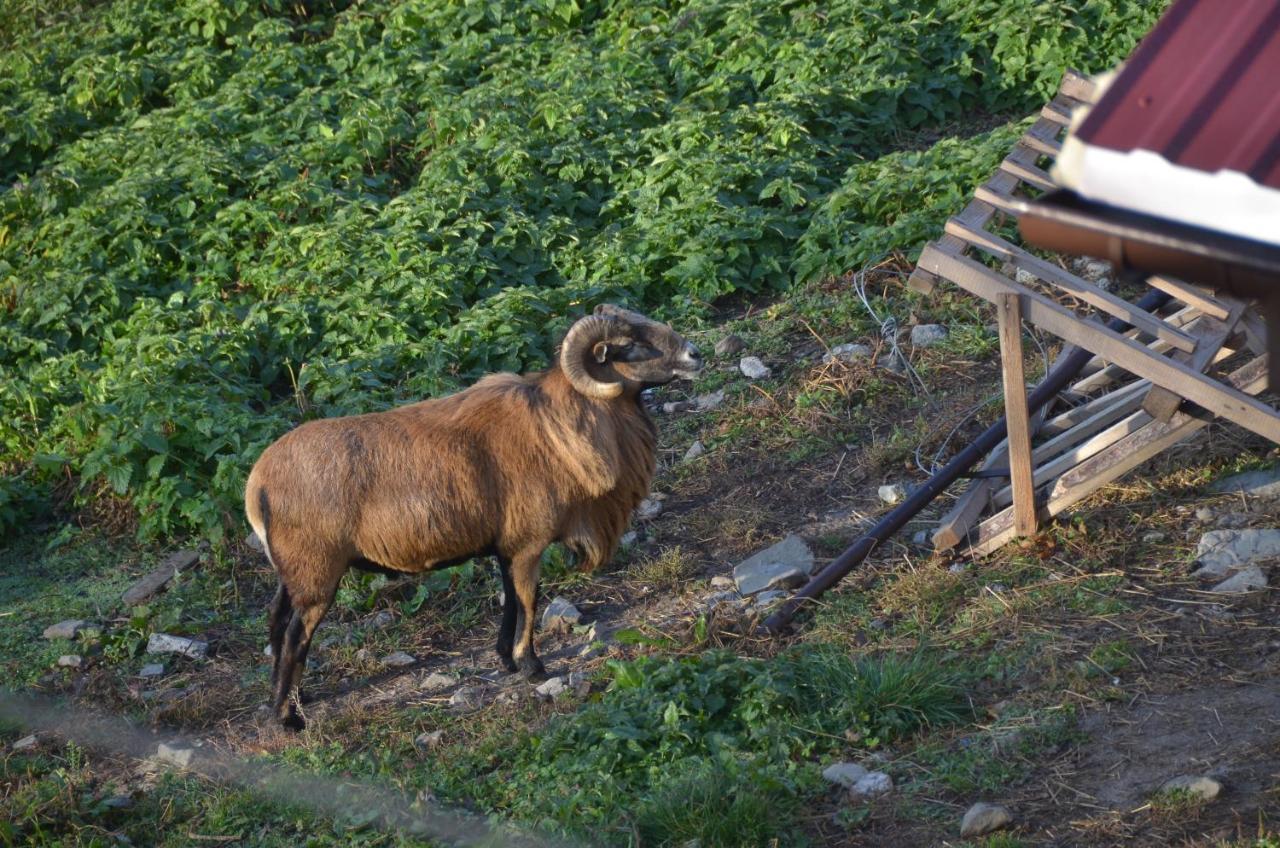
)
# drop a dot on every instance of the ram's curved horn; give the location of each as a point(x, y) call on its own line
point(582, 337)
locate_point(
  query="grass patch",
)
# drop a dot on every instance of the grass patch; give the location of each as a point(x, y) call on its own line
point(670, 568)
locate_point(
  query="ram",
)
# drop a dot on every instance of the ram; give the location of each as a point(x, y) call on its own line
point(503, 468)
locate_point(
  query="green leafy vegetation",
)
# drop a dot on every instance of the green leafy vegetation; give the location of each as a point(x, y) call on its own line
point(220, 217)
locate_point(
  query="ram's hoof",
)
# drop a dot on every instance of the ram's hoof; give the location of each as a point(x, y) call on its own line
point(293, 722)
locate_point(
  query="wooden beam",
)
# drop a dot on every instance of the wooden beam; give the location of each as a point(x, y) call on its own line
point(1087, 410)
point(1115, 462)
point(1221, 400)
point(1077, 86)
point(1191, 296)
point(1009, 313)
point(1213, 334)
point(1070, 283)
point(1029, 174)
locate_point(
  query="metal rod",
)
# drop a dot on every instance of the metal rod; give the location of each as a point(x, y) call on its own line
point(896, 519)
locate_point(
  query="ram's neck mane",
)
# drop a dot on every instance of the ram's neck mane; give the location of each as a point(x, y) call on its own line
point(604, 444)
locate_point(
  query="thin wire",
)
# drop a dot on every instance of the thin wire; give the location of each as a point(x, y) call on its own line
point(888, 325)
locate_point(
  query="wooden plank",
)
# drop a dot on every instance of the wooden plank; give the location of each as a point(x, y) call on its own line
point(1113, 463)
point(1009, 314)
point(1191, 296)
point(1029, 174)
point(1077, 86)
point(1161, 403)
point(1085, 411)
point(1222, 400)
point(1099, 373)
point(1042, 146)
point(1057, 111)
point(1070, 283)
point(1004, 202)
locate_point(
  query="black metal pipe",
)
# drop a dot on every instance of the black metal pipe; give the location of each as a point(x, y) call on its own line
point(893, 521)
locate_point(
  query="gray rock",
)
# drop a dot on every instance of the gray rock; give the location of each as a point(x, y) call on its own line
point(164, 643)
point(382, 619)
point(154, 670)
point(892, 363)
point(551, 688)
point(922, 539)
point(754, 369)
point(1248, 579)
point(1259, 484)
point(560, 615)
point(1025, 277)
point(769, 598)
point(649, 508)
point(467, 698)
point(628, 539)
point(958, 567)
point(435, 681)
point(254, 543)
point(1154, 537)
point(65, 629)
point(399, 659)
point(70, 661)
point(872, 784)
point(984, 818)
point(1222, 551)
point(429, 741)
point(729, 596)
point(1201, 786)
point(892, 493)
point(695, 450)
point(117, 802)
point(156, 580)
point(928, 335)
point(844, 774)
point(730, 345)
point(708, 402)
point(176, 754)
point(1204, 514)
point(722, 581)
point(846, 353)
point(1094, 271)
point(26, 743)
point(786, 564)
point(1233, 520)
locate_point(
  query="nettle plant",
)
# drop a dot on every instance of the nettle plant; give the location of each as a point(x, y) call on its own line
point(220, 217)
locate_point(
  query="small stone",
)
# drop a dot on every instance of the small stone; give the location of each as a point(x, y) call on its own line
point(156, 580)
point(892, 493)
point(1233, 520)
point(708, 402)
point(628, 539)
point(1199, 785)
point(436, 680)
point(928, 335)
point(784, 565)
point(844, 774)
point(560, 615)
point(177, 754)
point(1095, 271)
point(922, 539)
point(893, 363)
point(958, 567)
point(1022, 275)
point(1204, 514)
point(154, 670)
point(65, 629)
point(429, 741)
point(70, 661)
point(769, 598)
point(254, 543)
point(872, 784)
point(382, 619)
point(1247, 579)
point(1153, 538)
point(754, 369)
point(671, 407)
point(1222, 551)
point(730, 345)
point(467, 698)
point(117, 802)
point(695, 450)
point(1258, 484)
point(164, 643)
point(649, 508)
point(729, 596)
point(983, 818)
point(399, 659)
point(551, 688)
point(846, 353)
point(26, 743)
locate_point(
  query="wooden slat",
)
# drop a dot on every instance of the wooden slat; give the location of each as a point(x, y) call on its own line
point(1041, 146)
point(1070, 283)
point(1161, 403)
point(1191, 296)
point(1004, 202)
point(1057, 111)
point(1029, 174)
point(1231, 404)
point(1078, 87)
point(1009, 314)
point(1100, 373)
point(1064, 422)
point(1116, 461)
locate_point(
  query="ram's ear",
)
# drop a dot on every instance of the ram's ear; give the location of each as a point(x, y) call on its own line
point(600, 352)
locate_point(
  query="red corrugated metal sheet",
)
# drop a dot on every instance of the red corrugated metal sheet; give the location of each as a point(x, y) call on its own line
point(1202, 90)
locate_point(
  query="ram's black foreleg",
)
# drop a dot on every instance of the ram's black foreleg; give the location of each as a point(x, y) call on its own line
point(510, 611)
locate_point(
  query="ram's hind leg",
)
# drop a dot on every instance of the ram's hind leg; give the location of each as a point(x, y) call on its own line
point(278, 616)
point(525, 568)
point(309, 603)
point(507, 630)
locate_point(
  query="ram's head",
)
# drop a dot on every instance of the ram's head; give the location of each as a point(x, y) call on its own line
point(615, 349)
